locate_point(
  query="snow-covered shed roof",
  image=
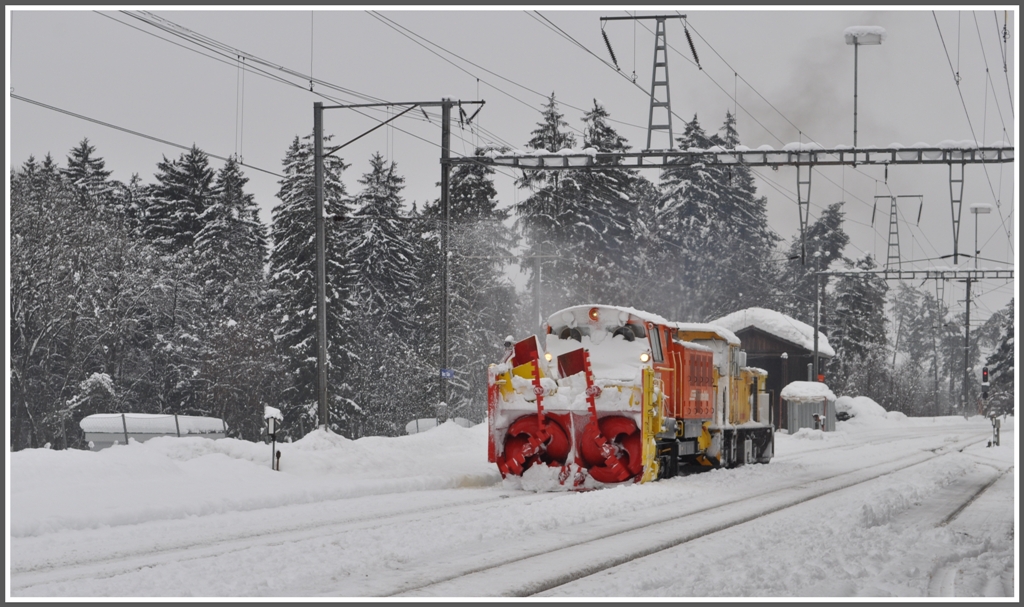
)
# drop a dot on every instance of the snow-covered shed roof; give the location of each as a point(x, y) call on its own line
point(150, 423)
point(806, 391)
point(777, 324)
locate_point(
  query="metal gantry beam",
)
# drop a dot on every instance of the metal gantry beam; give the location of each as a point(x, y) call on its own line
point(800, 156)
point(754, 158)
point(932, 274)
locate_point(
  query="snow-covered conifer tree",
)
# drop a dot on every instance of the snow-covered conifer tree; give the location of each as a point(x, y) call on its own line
point(87, 171)
point(293, 281)
point(481, 299)
point(1001, 366)
point(177, 202)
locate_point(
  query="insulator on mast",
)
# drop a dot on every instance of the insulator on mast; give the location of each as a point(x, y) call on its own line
point(610, 51)
point(692, 48)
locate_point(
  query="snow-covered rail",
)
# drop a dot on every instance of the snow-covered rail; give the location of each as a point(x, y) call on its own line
point(180, 540)
point(573, 555)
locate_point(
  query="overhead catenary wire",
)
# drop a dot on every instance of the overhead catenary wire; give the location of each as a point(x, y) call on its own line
point(580, 45)
point(133, 132)
point(969, 124)
point(167, 27)
point(988, 77)
point(397, 26)
point(1005, 35)
point(464, 139)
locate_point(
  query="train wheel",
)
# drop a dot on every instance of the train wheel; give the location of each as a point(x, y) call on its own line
point(611, 449)
point(528, 443)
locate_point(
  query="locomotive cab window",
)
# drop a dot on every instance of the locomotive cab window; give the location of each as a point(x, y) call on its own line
point(656, 352)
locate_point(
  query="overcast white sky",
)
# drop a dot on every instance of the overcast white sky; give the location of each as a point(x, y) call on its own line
point(791, 73)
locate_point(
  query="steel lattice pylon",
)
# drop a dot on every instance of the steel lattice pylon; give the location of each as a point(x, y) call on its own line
point(660, 45)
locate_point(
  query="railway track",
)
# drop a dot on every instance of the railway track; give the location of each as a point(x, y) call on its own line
point(572, 555)
point(75, 565)
point(943, 581)
point(881, 438)
point(482, 568)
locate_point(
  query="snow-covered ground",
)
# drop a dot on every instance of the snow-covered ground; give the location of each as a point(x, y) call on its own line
point(882, 507)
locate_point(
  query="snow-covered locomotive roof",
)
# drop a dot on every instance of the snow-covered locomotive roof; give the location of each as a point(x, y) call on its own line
point(779, 325)
point(719, 330)
point(557, 319)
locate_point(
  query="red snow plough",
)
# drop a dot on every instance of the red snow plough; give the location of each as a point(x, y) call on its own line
point(622, 396)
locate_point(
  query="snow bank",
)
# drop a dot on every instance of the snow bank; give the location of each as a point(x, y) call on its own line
point(860, 406)
point(174, 478)
point(777, 324)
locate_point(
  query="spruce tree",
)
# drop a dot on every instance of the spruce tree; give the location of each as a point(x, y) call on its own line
point(293, 281)
point(86, 171)
point(231, 247)
point(1001, 365)
point(548, 217)
point(384, 295)
point(481, 299)
point(382, 254)
point(237, 353)
point(858, 334)
point(747, 242)
point(687, 241)
point(178, 201)
point(825, 241)
point(603, 220)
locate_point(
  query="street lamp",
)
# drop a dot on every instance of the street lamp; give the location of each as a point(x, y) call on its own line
point(858, 35)
point(978, 209)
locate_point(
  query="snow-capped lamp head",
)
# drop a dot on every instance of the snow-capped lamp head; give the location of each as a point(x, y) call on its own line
point(509, 342)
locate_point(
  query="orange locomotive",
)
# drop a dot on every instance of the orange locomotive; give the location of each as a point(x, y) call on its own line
point(618, 395)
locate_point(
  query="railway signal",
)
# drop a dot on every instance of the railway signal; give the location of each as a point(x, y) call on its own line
point(984, 382)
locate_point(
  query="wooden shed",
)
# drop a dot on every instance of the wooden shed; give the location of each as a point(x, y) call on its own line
point(779, 344)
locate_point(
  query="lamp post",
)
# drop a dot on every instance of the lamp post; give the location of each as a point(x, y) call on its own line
point(817, 310)
point(785, 381)
point(978, 209)
point(857, 36)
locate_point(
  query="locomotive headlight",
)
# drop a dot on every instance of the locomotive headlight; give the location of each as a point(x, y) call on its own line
point(594, 314)
point(645, 357)
point(547, 356)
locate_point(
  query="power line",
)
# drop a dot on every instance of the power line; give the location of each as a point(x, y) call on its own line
point(956, 77)
point(394, 25)
point(1009, 93)
point(238, 53)
point(136, 133)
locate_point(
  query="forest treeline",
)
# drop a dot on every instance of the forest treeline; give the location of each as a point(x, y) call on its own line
point(173, 296)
